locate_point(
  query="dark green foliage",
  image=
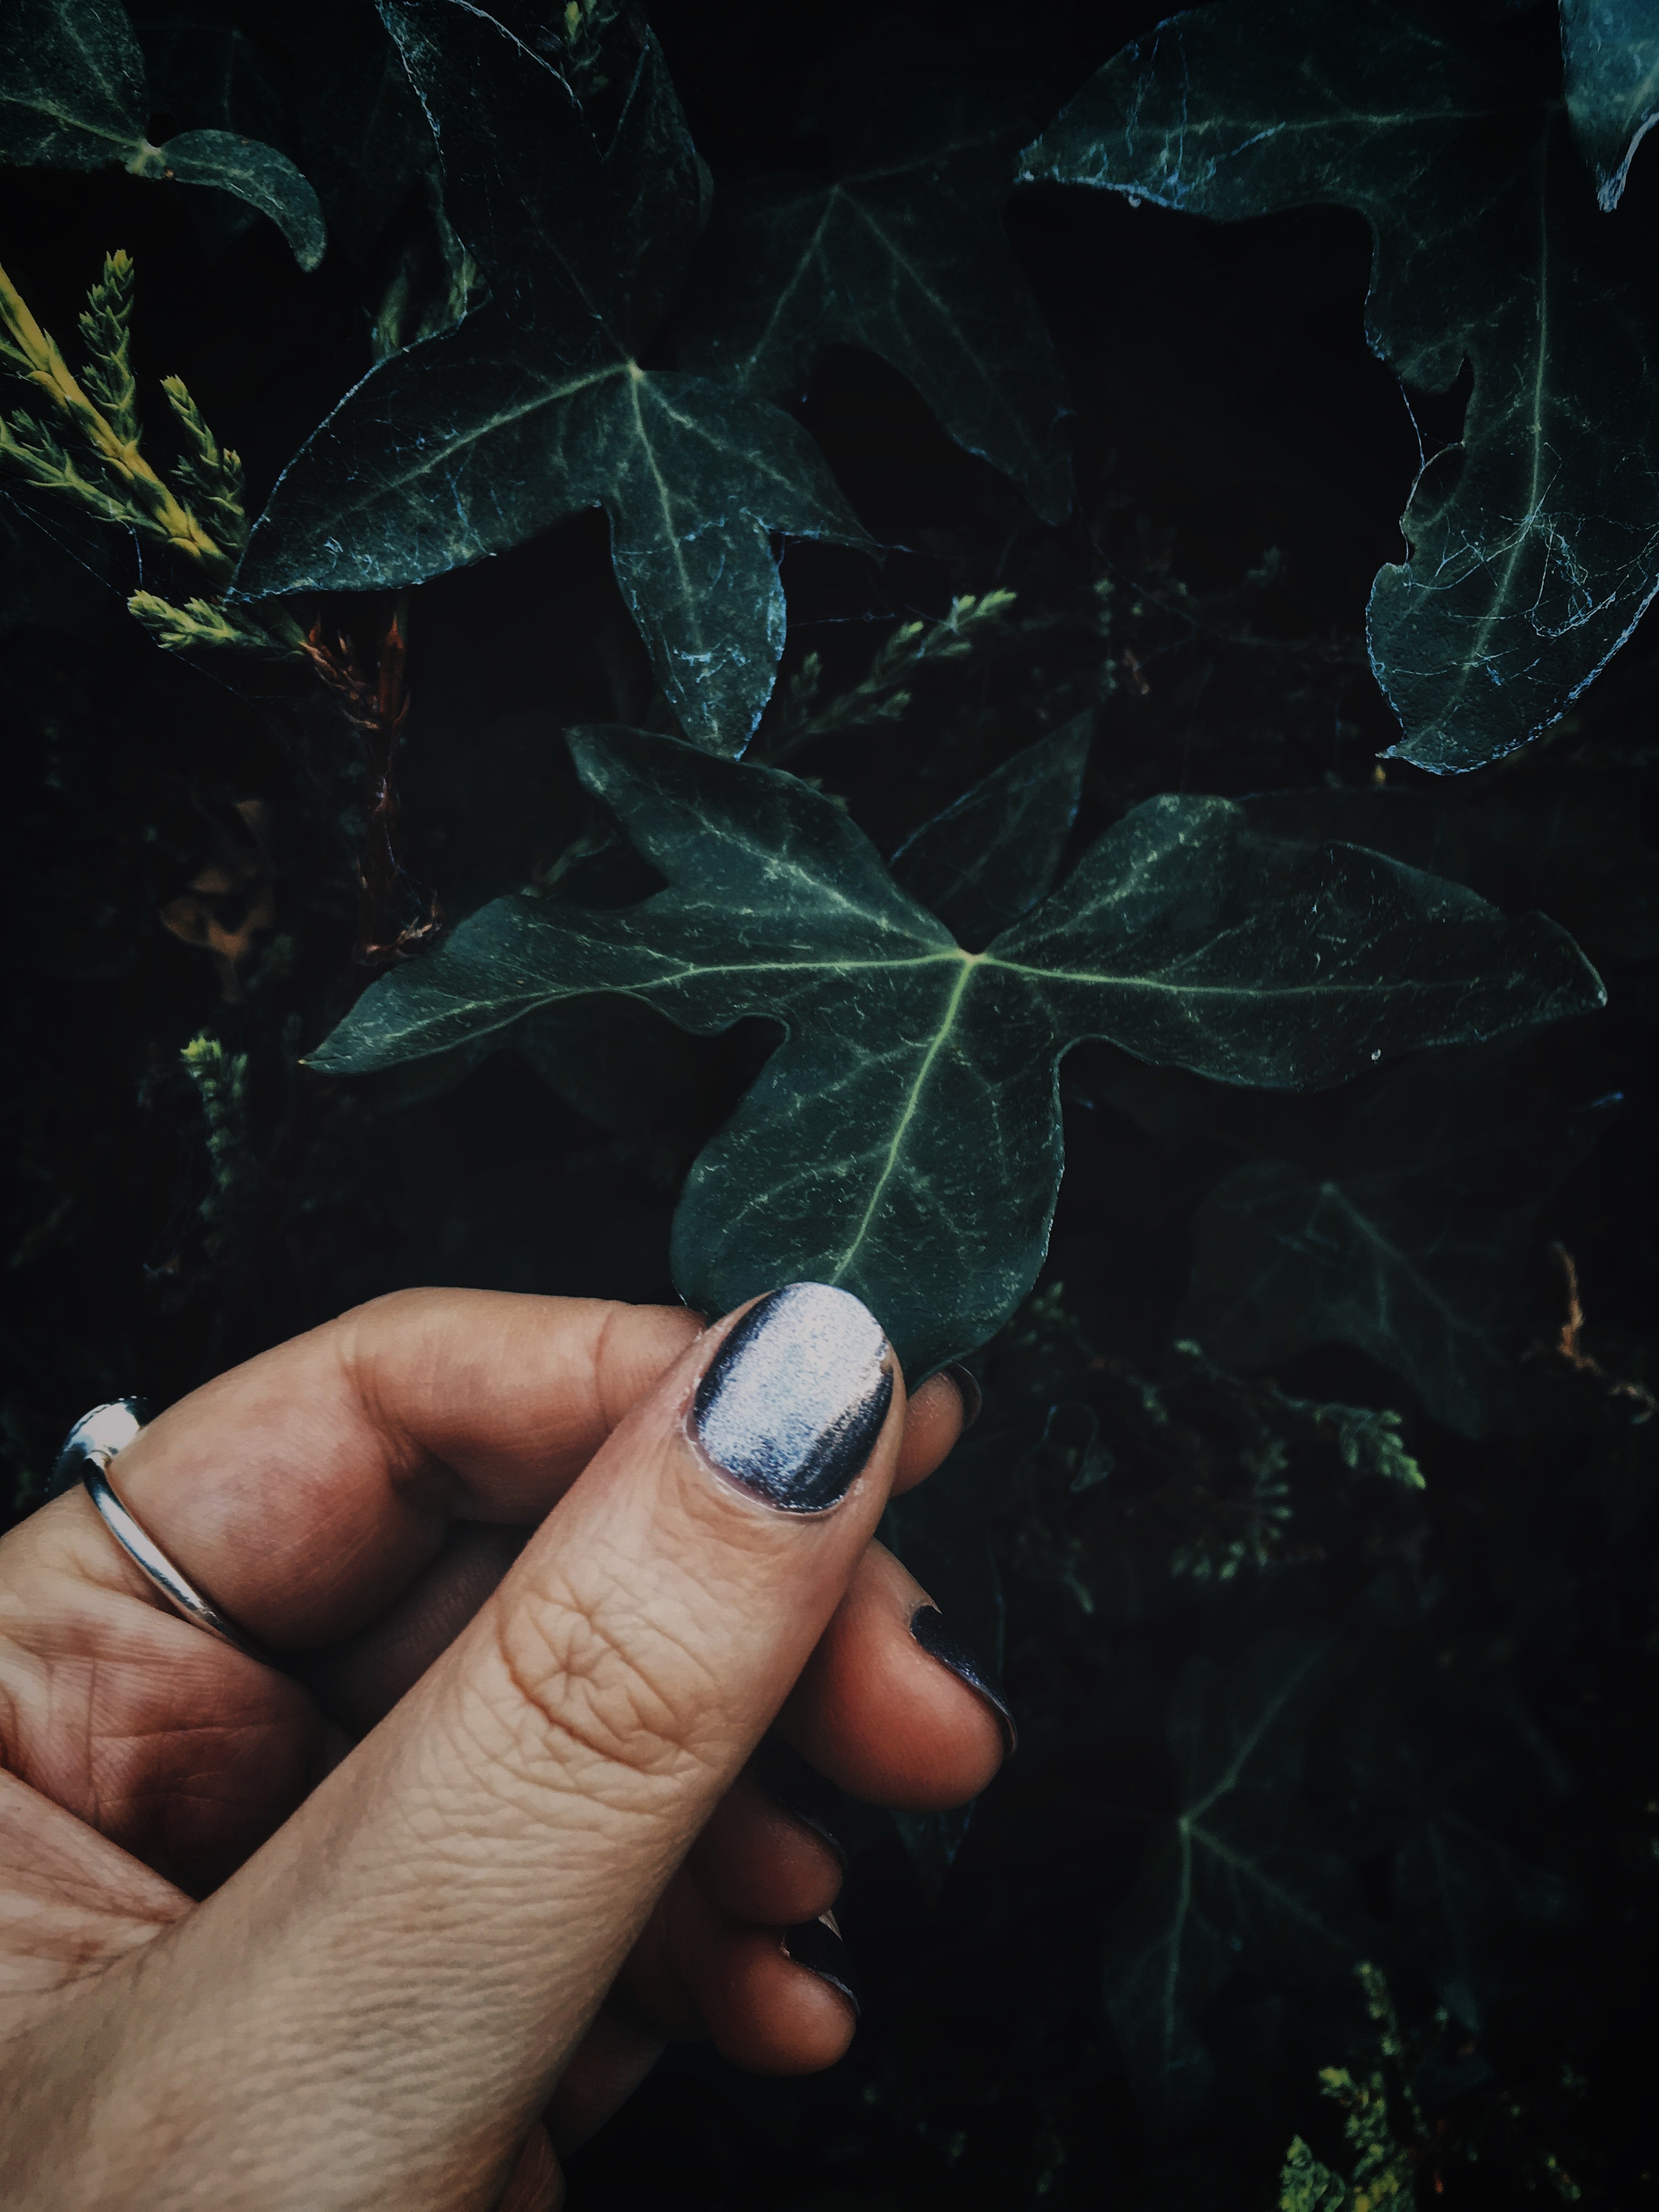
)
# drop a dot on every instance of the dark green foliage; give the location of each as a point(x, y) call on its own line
point(900, 251)
point(73, 95)
point(905, 1140)
point(1534, 548)
point(264, 179)
point(993, 853)
point(1410, 1240)
point(536, 405)
point(1313, 1511)
point(1239, 1878)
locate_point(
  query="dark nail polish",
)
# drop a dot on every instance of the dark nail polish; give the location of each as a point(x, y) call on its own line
point(968, 1389)
point(940, 1641)
point(796, 1396)
point(818, 1946)
point(796, 1785)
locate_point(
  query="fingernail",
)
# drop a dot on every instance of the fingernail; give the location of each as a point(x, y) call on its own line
point(795, 1398)
point(797, 1787)
point(940, 1641)
point(968, 1389)
point(818, 1946)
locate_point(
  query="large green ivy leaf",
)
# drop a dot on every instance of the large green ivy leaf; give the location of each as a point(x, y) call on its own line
point(1535, 545)
point(535, 406)
point(1611, 53)
point(1237, 1878)
point(905, 1138)
point(1411, 1242)
point(73, 95)
point(901, 251)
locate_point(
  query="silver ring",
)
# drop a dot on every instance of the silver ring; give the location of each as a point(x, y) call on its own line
point(92, 1443)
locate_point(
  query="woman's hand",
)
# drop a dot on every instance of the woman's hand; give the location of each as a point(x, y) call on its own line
point(410, 1949)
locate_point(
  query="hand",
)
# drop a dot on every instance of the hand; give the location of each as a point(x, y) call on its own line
point(416, 1952)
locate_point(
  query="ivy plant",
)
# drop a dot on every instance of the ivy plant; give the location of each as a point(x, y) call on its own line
point(1311, 1508)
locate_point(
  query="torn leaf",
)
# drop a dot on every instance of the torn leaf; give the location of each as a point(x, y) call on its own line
point(1535, 544)
point(905, 1140)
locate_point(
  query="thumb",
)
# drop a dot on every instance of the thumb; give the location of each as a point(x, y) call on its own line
point(398, 1976)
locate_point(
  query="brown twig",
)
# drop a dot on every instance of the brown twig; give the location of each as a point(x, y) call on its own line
point(1567, 1346)
point(377, 709)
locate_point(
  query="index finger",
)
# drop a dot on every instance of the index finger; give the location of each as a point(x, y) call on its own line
point(307, 1490)
point(304, 1490)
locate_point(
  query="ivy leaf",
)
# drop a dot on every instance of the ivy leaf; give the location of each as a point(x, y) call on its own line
point(206, 77)
point(1286, 1258)
point(1535, 544)
point(1412, 1242)
point(535, 405)
point(1441, 1795)
point(1611, 51)
point(73, 95)
point(903, 253)
point(72, 89)
point(1239, 1879)
point(257, 174)
point(905, 1138)
point(1458, 1892)
point(990, 856)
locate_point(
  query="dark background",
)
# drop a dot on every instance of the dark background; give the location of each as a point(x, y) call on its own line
point(1241, 459)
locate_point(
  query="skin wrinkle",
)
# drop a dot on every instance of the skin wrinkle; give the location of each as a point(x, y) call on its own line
point(567, 1629)
point(355, 1928)
point(634, 1750)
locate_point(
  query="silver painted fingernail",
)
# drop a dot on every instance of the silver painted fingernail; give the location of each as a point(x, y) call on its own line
point(795, 1398)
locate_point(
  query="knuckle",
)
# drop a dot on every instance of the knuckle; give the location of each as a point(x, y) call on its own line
point(601, 1685)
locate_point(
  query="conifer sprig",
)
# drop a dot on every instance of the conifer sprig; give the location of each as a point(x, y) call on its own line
point(208, 525)
point(201, 622)
point(883, 694)
point(149, 506)
point(211, 473)
point(107, 335)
